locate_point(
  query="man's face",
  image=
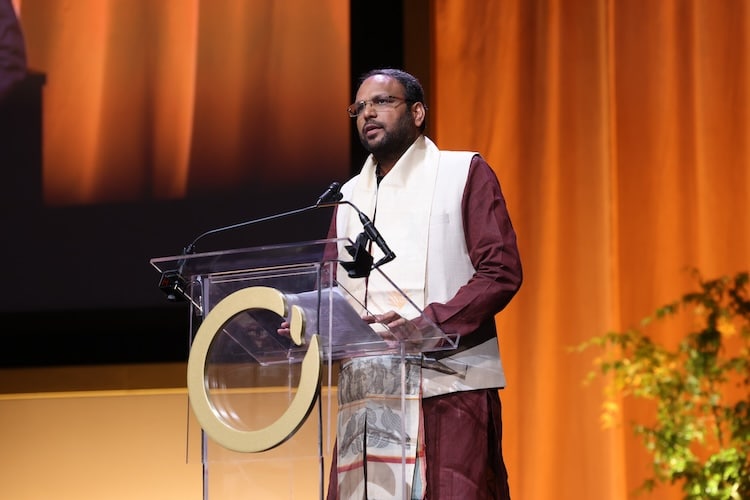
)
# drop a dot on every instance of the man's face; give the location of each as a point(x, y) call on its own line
point(388, 131)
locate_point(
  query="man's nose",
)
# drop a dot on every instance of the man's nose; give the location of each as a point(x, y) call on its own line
point(369, 109)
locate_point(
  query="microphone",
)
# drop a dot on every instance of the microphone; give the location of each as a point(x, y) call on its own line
point(375, 236)
point(331, 195)
point(362, 264)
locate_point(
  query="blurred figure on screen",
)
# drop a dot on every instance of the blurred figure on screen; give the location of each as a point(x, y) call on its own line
point(12, 50)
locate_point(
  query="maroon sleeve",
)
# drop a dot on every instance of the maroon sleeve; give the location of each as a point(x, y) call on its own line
point(12, 49)
point(491, 241)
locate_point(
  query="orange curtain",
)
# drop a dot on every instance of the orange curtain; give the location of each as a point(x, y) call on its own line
point(619, 131)
point(158, 100)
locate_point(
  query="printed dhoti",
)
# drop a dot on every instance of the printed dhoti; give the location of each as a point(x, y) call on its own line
point(379, 432)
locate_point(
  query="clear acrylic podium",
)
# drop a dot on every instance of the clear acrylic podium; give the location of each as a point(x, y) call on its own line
point(262, 418)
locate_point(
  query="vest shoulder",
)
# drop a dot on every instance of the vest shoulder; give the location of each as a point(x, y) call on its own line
point(457, 159)
point(461, 154)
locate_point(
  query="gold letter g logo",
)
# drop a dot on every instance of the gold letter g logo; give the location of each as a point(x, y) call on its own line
point(282, 429)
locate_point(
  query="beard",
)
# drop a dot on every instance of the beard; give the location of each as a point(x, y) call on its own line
point(392, 141)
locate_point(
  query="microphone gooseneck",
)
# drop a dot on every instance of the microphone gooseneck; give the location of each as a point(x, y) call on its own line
point(191, 247)
point(330, 197)
point(172, 282)
point(357, 269)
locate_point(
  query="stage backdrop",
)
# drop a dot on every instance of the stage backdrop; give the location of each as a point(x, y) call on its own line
point(161, 100)
point(618, 129)
point(163, 119)
point(620, 134)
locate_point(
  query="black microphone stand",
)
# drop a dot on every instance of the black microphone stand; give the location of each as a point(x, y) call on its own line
point(174, 285)
point(362, 264)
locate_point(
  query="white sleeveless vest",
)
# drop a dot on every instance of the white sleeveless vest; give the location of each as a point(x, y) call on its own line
point(417, 210)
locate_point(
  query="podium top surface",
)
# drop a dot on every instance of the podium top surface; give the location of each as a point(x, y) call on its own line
point(247, 258)
point(293, 270)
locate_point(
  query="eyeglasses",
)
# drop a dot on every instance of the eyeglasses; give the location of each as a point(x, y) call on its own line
point(379, 103)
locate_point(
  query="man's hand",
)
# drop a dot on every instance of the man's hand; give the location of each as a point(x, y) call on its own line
point(398, 330)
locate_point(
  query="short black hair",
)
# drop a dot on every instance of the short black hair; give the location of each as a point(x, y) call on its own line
point(412, 88)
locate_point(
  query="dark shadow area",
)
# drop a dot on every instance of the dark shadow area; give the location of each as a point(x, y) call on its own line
point(94, 336)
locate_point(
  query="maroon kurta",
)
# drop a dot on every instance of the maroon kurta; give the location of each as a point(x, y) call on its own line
point(463, 446)
point(491, 241)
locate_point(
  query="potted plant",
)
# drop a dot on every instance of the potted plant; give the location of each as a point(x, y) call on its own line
point(699, 436)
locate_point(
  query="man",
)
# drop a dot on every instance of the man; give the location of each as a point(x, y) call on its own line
point(444, 216)
point(12, 50)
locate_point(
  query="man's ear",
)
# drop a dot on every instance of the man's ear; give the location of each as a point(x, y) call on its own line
point(418, 112)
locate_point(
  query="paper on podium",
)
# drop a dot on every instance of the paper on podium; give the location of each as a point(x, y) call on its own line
point(349, 335)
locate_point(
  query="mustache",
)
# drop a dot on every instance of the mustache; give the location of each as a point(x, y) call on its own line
point(372, 122)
